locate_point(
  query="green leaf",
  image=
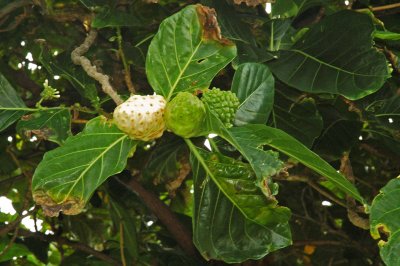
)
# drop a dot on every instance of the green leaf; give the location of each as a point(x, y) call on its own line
point(121, 217)
point(62, 66)
point(163, 164)
point(15, 250)
point(304, 5)
point(255, 155)
point(110, 17)
point(258, 135)
point(185, 55)
point(235, 29)
point(238, 183)
point(298, 118)
point(387, 35)
point(220, 229)
point(335, 56)
point(284, 9)
point(11, 105)
point(53, 125)
point(389, 113)
point(254, 86)
point(384, 217)
point(338, 137)
point(67, 176)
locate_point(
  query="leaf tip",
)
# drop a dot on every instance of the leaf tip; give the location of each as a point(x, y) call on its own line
point(211, 29)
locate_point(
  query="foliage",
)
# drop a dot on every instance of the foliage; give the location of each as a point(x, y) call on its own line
point(294, 177)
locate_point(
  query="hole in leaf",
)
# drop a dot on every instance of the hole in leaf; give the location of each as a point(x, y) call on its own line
point(384, 232)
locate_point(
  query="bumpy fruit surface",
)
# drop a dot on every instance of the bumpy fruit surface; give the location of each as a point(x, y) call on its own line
point(141, 117)
point(185, 114)
point(223, 104)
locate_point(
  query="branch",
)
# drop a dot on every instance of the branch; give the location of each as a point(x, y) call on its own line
point(166, 216)
point(64, 241)
point(354, 217)
point(379, 8)
point(13, 6)
point(78, 59)
point(127, 69)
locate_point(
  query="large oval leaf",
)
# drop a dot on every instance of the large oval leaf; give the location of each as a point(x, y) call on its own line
point(297, 116)
point(385, 213)
point(11, 105)
point(50, 124)
point(239, 184)
point(254, 86)
point(335, 56)
point(250, 136)
point(187, 52)
point(220, 229)
point(67, 176)
point(265, 163)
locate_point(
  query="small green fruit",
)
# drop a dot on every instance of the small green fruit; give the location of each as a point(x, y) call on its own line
point(223, 104)
point(184, 115)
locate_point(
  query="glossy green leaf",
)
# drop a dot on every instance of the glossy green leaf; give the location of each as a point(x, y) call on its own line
point(258, 135)
point(298, 118)
point(185, 55)
point(254, 85)
point(384, 218)
point(67, 176)
point(387, 35)
point(335, 56)
point(220, 229)
point(265, 163)
point(11, 105)
point(52, 124)
point(238, 183)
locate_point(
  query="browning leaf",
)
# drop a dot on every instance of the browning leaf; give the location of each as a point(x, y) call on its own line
point(211, 29)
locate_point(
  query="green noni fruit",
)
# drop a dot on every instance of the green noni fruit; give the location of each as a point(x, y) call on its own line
point(223, 104)
point(184, 115)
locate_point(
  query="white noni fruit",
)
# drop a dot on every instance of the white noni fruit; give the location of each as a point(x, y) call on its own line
point(141, 117)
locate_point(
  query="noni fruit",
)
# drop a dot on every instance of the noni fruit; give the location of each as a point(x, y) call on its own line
point(185, 114)
point(223, 104)
point(141, 117)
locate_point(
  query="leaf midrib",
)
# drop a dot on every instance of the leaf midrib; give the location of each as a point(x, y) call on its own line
point(81, 176)
point(331, 66)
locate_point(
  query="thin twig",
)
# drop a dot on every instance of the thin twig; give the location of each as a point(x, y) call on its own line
point(75, 245)
point(79, 121)
point(379, 8)
point(13, 6)
point(121, 243)
point(78, 59)
point(11, 242)
point(354, 217)
point(166, 216)
point(325, 193)
point(314, 186)
point(127, 69)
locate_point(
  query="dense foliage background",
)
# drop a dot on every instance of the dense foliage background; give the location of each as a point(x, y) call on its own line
point(334, 87)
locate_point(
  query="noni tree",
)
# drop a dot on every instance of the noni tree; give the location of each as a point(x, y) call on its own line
point(199, 132)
